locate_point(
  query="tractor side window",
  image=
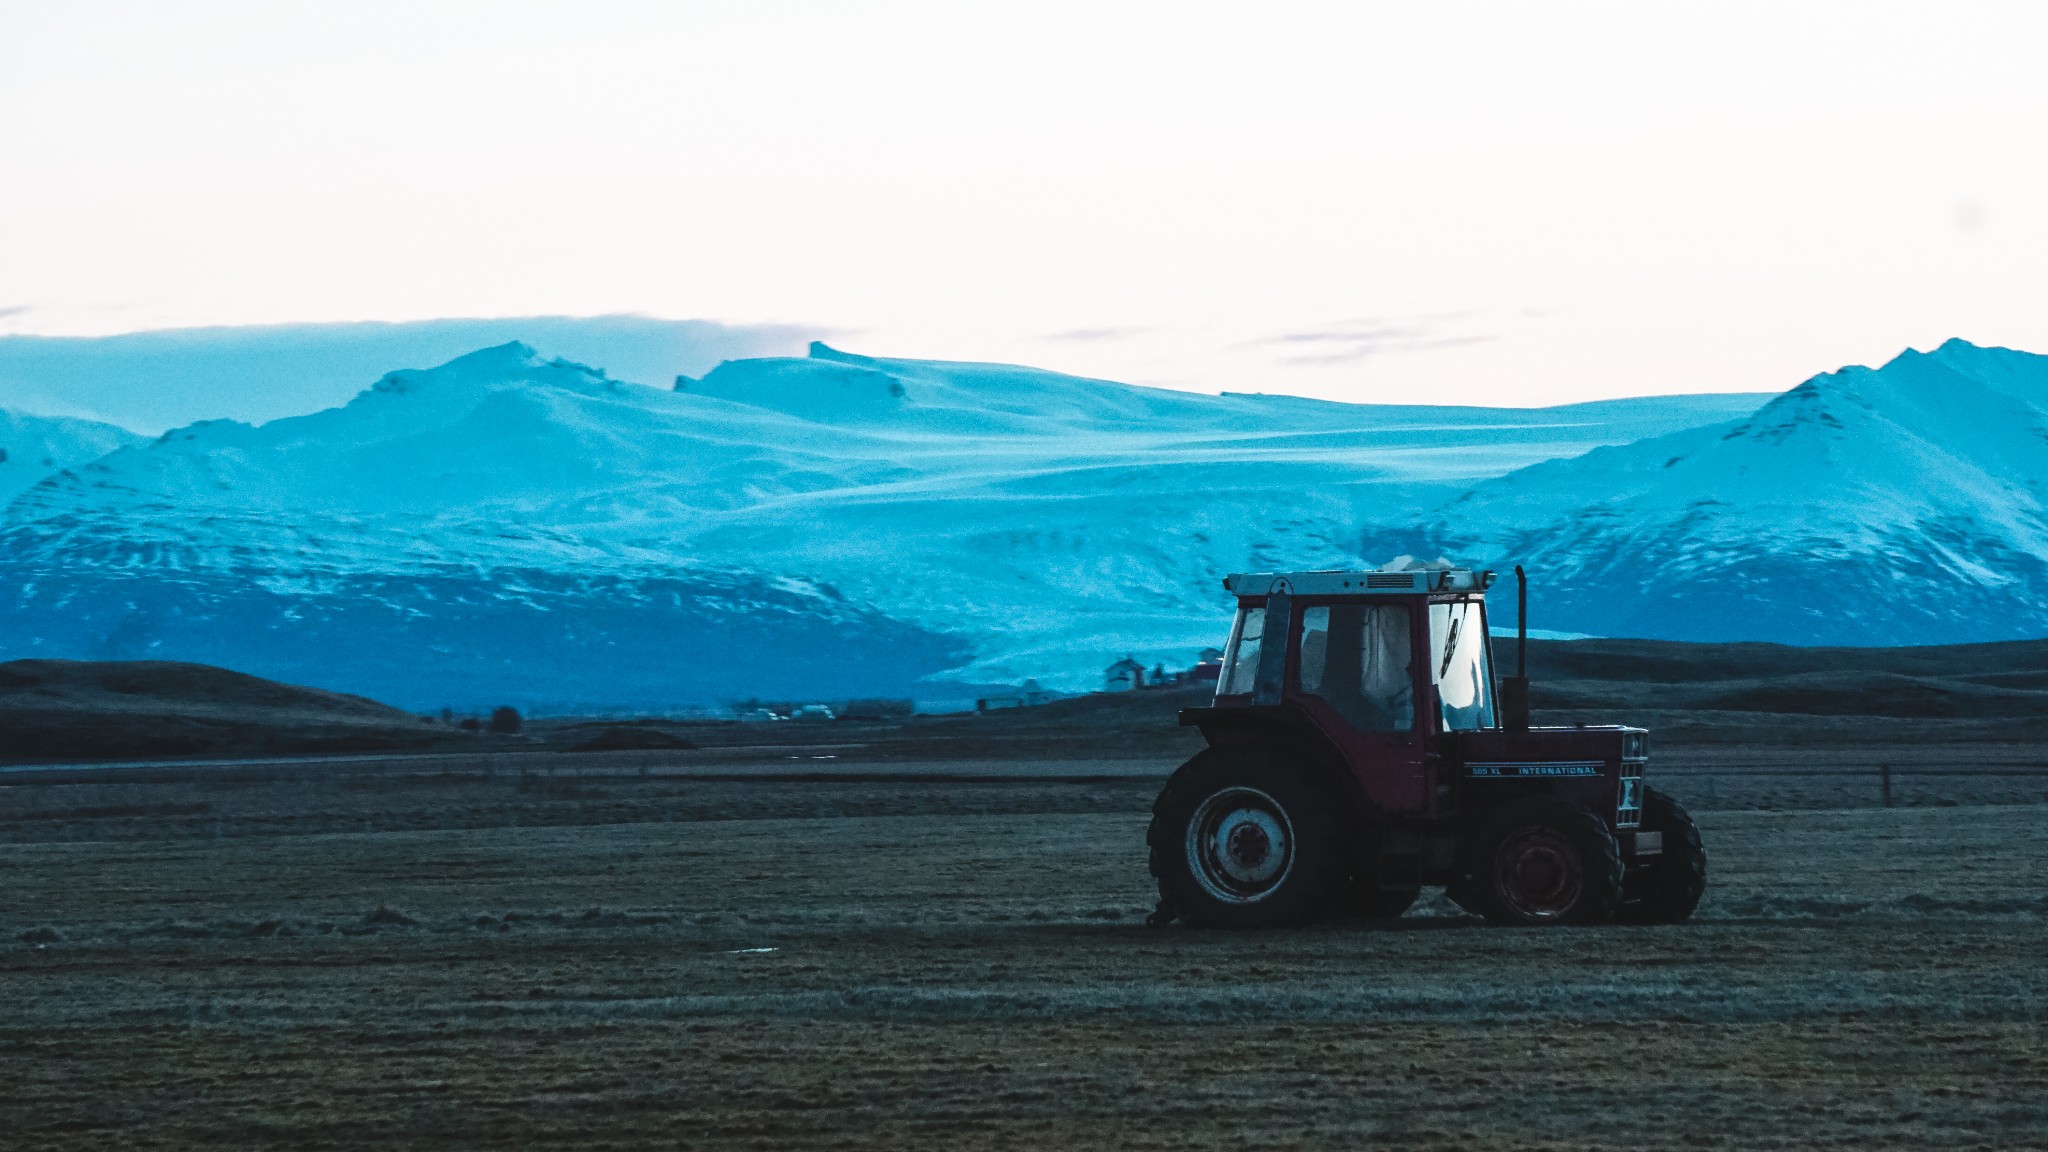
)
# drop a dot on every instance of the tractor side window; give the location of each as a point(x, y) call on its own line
point(1459, 666)
point(1385, 678)
point(1241, 659)
point(1355, 656)
point(1315, 648)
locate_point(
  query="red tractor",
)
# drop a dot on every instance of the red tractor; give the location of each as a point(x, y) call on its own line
point(1359, 749)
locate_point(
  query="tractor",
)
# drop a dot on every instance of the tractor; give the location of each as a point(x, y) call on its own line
point(1359, 749)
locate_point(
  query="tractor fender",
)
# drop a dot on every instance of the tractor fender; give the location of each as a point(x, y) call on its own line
point(1290, 737)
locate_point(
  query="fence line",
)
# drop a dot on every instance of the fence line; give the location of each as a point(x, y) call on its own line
point(1666, 772)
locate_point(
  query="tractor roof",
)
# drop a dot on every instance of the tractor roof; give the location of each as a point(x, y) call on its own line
point(1394, 583)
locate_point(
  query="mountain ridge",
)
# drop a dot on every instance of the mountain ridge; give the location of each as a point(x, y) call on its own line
point(1913, 495)
point(991, 522)
point(33, 448)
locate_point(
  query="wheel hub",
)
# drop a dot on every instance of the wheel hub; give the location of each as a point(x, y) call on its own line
point(1249, 846)
point(1538, 874)
point(1240, 845)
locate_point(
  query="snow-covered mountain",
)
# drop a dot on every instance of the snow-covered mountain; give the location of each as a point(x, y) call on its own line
point(1906, 504)
point(33, 448)
point(508, 528)
point(168, 377)
point(475, 533)
point(1062, 522)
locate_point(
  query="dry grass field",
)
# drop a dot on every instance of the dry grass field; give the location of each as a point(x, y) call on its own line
point(386, 956)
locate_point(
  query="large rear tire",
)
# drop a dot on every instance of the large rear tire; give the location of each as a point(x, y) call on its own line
point(1545, 861)
point(1667, 891)
point(1242, 839)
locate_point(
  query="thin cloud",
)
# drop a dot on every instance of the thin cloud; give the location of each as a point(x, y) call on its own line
point(1354, 340)
point(1094, 335)
point(1345, 353)
point(15, 310)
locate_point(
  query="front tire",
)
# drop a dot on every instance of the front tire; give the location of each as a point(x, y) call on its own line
point(1545, 861)
point(1242, 839)
point(1667, 891)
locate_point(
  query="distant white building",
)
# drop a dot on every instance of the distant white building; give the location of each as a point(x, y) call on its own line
point(1125, 675)
point(1030, 695)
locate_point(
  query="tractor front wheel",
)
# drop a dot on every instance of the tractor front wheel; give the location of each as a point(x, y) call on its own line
point(1242, 839)
point(1668, 890)
point(1545, 861)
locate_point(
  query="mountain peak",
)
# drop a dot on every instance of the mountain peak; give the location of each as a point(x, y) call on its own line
point(510, 354)
point(511, 363)
point(823, 351)
point(1974, 359)
point(1913, 491)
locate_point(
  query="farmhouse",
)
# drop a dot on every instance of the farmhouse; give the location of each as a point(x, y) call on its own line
point(1124, 676)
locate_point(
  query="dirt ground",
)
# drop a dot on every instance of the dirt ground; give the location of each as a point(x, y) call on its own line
point(839, 774)
point(627, 958)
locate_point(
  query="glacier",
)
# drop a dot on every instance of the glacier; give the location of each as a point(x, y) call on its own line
point(513, 528)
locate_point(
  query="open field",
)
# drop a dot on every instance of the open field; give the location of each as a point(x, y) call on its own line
point(1690, 695)
point(705, 951)
point(832, 771)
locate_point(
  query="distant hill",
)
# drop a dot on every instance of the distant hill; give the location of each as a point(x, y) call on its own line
point(1963, 680)
point(1668, 662)
point(1744, 692)
point(1768, 695)
point(58, 710)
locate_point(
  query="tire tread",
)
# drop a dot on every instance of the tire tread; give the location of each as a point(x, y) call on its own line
point(1668, 891)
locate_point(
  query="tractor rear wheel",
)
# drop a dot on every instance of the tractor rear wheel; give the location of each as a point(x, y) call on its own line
point(1546, 861)
point(1242, 839)
point(1667, 891)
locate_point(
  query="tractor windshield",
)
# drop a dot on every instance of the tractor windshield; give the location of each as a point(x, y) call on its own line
point(1459, 663)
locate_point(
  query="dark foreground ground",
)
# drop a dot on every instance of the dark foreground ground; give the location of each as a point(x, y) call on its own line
point(734, 948)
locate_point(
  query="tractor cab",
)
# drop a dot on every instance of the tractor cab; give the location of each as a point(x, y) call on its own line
point(1361, 746)
point(1381, 664)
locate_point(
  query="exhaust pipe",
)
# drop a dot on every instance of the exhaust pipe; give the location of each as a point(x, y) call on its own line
point(1514, 690)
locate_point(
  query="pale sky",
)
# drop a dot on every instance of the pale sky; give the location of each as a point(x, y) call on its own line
point(1455, 203)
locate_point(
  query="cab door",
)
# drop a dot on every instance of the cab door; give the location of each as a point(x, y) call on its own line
point(1357, 676)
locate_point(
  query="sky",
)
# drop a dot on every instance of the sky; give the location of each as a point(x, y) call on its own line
point(1512, 204)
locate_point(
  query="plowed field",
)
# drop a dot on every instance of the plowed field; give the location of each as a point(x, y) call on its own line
point(818, 971)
